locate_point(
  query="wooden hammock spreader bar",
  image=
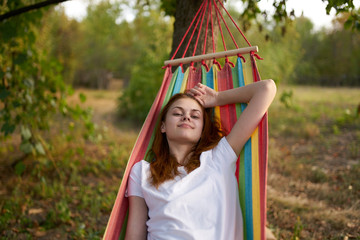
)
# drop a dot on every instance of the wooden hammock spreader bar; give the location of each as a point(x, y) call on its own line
point(209, 56)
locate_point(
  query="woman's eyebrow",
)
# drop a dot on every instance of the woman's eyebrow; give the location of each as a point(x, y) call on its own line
point(181, 108)
point(178, 107)
point(195, 110)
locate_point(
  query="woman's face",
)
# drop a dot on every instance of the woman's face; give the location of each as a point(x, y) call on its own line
point(184, 121)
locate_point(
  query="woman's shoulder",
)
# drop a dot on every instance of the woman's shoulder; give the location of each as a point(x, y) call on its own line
point(140, 166)
point(224, 147)
point(222, 152)
point(142, 163)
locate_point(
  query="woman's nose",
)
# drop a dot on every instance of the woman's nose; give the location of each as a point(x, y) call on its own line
point(185, 117)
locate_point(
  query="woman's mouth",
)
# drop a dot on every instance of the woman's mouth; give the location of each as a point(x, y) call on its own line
point(184, 125)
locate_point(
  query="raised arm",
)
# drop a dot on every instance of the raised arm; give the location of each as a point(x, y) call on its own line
point(258, 95)
point(138, 214)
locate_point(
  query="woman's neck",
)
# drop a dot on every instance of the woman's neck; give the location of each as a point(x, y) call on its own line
point(181, 152)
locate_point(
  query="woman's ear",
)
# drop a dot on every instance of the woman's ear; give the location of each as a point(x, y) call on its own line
point(162, 128)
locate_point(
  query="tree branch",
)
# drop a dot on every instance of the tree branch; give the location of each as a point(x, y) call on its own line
point(29, 8)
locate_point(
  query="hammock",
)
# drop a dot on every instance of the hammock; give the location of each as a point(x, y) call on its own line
point(251, 170)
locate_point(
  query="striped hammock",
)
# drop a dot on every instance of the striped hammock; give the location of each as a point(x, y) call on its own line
point(252, 164)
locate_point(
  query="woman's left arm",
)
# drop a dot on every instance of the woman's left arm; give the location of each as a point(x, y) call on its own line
point(258, 95)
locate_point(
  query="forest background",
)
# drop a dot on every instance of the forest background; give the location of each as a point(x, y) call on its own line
point(75, 92)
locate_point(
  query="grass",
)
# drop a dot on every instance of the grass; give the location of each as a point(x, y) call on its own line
point(314, 164)
point(70, 192)
point(313, 186)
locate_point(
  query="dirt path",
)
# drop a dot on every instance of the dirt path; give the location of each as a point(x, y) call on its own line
point(103, 103)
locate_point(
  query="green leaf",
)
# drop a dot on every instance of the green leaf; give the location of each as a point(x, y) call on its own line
point(4, 93)
point(39, 148)
point(169, 6)
point(70, 90)
point(82, 97)
point(8, 128)
point(25, 133)
point(26, 147)
point(16, 103)
point(328, 8)
point(20, 168)
point(348, 23)
point(31, 37)
point(8, 31)
point(80, 151)
point(20, 59)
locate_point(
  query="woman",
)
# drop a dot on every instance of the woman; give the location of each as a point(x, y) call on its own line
point(189, 191)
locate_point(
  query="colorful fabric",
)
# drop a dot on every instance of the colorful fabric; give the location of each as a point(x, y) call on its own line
point(251, 169)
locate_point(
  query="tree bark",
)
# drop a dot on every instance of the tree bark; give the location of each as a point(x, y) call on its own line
point(25, 9)
point(185, 12)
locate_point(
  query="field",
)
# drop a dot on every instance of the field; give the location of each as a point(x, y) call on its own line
point(313, 174)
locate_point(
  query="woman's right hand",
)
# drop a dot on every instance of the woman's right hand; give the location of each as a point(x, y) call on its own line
point(205, 95)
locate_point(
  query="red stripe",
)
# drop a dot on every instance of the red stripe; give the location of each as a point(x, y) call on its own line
point(230, 85)
point(263, 138)
point(194, 77)
point(224, 110)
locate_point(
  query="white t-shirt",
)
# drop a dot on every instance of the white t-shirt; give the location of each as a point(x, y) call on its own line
point(203, 204)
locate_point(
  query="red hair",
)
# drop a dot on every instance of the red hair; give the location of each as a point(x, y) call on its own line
point(163, 166)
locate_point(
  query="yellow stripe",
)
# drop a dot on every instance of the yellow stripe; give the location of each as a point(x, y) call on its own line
point(247, 71)
point(185, 80)
point(255, 183)
point(217, 108)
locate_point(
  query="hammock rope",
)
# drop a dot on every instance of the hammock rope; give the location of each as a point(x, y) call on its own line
point(207, 28)
point(187, 31)
point(211, 9)
point(212, 30)
point(192, 34)
point(198, 35)
point(220, 28)
point(242, 34)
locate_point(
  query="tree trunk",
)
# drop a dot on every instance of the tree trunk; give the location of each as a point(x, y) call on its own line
point(185, 12)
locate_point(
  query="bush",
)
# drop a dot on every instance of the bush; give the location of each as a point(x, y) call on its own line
point(145, 81)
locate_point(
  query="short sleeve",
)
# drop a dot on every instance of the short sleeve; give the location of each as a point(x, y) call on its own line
point(225, 154)
point(134, 181)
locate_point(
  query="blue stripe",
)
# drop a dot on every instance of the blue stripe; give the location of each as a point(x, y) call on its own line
point(241, 79)
point(178, 81)
point(248, 191)
point(210, 82)
point(240, 72)
point(210, 78)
